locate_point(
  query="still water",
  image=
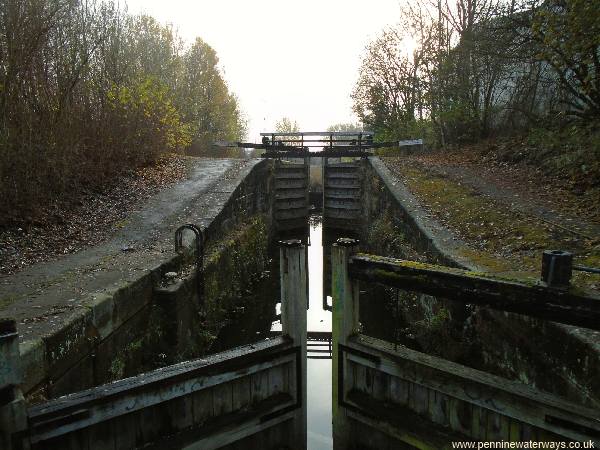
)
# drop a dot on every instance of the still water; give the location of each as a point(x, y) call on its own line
point(260, 320)
point(319, 420)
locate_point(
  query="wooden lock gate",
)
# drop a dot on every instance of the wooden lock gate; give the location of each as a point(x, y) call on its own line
point(389, 396)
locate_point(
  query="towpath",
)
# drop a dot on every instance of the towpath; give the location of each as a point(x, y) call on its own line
point(505, 214)
point(43, 296)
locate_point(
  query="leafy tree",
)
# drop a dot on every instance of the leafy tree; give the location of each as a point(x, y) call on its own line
point(569, 34)
point(348, 126)
point(287, 125)
point(481, 68)
point(88, 91)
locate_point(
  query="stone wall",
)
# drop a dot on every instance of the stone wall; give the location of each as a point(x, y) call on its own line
point(556, 358)
point(149, 322)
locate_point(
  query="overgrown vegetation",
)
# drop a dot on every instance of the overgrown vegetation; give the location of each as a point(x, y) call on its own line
point(458, 72)
point(242, 255)
point(499, 238)
point(88, 91)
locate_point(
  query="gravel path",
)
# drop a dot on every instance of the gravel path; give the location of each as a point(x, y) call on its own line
point(42, 296)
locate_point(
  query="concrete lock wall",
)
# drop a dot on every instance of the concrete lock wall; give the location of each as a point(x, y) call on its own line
point(556, 358)
point(151, 322)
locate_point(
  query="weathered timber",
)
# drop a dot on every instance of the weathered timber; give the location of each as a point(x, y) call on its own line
point(352, 194)
point(291, 183)
point(345, 214)
point(334, 153)
point(83, 409)
point(321, 133)
point(383, 386)
point(220, 431)
point(289, 194)
point(294, 301)
point(569, 306)
point(345, 295)
point(345, 203)
point(341, 194)
point(298, 214)
point(290, 203)
point(465, 389)
point(400, 423)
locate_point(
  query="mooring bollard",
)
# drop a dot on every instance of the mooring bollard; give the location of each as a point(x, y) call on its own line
point(13, 412)
point(557, 267)
point(345, 293)
point(294, 298)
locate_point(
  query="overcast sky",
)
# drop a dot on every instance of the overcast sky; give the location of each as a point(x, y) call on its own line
point(298, 59)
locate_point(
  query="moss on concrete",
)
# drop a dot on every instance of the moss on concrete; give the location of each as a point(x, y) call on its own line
point(500, 239)
point(233, 266)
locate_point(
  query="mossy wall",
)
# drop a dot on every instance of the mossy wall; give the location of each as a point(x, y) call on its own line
point(551, 357)
point(175, 323)
point(422, 322)
point(180, 323)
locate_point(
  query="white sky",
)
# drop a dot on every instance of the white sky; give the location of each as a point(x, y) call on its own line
point(298, 59)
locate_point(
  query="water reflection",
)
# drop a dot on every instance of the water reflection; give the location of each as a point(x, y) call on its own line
point(251, 326)
point(319, 369)
point(319, 404)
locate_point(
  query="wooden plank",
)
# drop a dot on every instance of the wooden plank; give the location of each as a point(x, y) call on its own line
point(349, 373)
point(123, 429)
point(281, 204)
point(239, 431)
point(461, 416)
point(570, 306)
point(202, 406)
point(341, 214)
point(292, 380)
point(349, 204)
point(514, 434)
point(180, 411)
point(100, 436)
point(498, 427)
point(320, 133)
point(438, 408)
point(418, 399)
point(479, 426)
point(222, 399)
point(290, 194)
point(291, 184)
point(291, 214)
point(331, 175)
point(360, 378)
point(290, 175)
point(399, 390)
point(231, 359)
point(381, 386)
point(259, 388)
point(528, 433)
point(346, 183)
point(346, 165)
point(137, 393)
point(399, 423)
point(350, 194)
point(147, 424)
point(496, 394)
point(78, 440)
point(233, 427)
point(241, 393)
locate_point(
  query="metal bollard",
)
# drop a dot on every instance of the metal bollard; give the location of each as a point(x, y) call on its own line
point(557, 268)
